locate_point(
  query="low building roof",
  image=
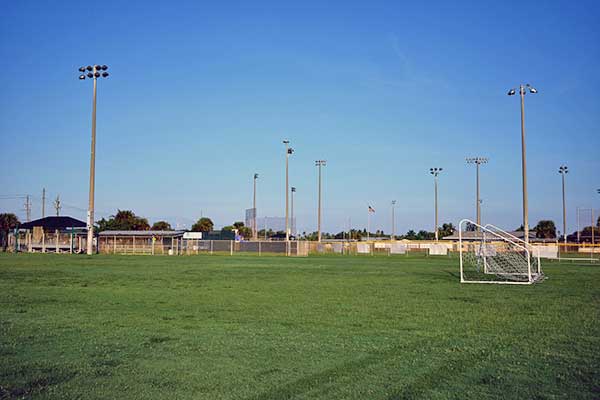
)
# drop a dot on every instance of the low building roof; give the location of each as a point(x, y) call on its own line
point(476, 235)
point(142, 233)
point(53, 223)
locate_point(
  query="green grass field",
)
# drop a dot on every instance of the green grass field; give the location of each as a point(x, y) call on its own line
point(328, 327)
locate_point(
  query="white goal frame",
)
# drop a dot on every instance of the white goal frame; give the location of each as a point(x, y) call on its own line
point(529, 273)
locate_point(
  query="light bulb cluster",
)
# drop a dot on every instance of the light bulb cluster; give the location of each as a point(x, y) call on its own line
point(94, 72)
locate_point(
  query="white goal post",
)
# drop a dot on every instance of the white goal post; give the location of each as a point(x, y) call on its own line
point(491, 255)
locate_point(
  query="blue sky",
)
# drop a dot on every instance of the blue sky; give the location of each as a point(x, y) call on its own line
point(201, 95)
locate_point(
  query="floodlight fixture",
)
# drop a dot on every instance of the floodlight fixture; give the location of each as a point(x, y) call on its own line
point(532, 90)
point(563, 169)
point(104, 67)
point(81, 77)
point(512, 92)
point(435, 171)
point(81, 69)
point(89, 68)
point(477, 160)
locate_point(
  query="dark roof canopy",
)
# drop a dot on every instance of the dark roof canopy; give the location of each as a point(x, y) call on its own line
point(53, 223)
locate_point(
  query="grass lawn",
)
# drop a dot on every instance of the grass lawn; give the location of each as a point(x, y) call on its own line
point(322, 327)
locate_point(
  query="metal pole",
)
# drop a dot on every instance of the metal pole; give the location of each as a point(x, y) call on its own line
point(368, 224)
point(578, 233)
point(564, 209)
point(292, 214)
point(90, 216)
point(43, 202)
point(593, 226)
point(319, 212)
point(393, 221)
point(478, 201)
point(436, 207)
point(524, 167)
point(287, 156)
point(254, 233)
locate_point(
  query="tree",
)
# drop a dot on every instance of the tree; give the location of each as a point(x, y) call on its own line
point(446, 230)
point(8, 222)
point(161, 226)
point(238, 224)
point(424, 235)
point(124, 220)
point(203, 225)
point(545, 229)
point(411, 235)
point(470, 227)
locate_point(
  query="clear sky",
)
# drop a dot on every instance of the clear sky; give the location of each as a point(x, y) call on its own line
point(201, 94)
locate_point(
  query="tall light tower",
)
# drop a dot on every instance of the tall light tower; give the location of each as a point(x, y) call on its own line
point(293, 224)
point(393, 237)
point(522, 91)
point(92, 73)
point(288, 151)
point(435, 172)
point(254, 228)
point(319, 164)
point(477, 161)
point(563, 170)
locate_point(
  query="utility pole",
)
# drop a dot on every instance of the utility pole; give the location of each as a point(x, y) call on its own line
point(93, 73)
point(522, 91)
point(28, 208)
point(435, 172)
point(288, 152)
point(319, 164)
point(563, 170)
point(43, 202)
point(57, 205)
point(393, 237)
point(254, 228)
point(477, 161)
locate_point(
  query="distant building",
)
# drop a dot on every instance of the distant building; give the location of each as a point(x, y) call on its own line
point(57, 234)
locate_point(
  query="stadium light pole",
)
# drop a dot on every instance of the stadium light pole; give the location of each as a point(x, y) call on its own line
point(522, 91)
point(393, 237)
point(435, 172)
point(92, 73)
point(292, 224)
point(254, 227)
point(288, 152)
point(563, 170)
point(319, 163)
point(477, 161)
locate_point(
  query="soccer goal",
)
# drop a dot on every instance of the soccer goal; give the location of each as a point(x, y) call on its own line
point(491, 255)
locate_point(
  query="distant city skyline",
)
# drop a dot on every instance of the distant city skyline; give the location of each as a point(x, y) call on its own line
point(200, 97)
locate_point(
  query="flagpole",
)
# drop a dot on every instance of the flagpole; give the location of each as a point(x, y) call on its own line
point(368, 223)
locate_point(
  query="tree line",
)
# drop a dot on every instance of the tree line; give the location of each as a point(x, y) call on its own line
point(127, 220)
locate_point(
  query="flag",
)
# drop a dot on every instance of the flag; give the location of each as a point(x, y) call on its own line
point(371, 209)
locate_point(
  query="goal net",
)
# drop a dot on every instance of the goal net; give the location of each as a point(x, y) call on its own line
point(491, 255)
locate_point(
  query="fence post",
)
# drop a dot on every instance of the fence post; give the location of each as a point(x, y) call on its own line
point(259, 249)
point(231, 247)
point(43, 241)
point(211, 247)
